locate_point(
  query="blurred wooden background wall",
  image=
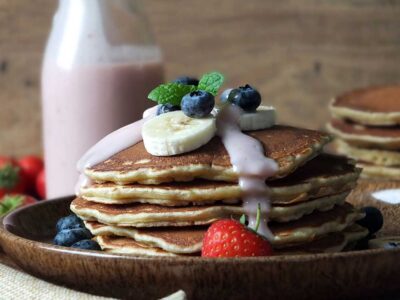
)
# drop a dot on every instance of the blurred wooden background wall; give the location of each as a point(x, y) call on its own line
point(299, 53)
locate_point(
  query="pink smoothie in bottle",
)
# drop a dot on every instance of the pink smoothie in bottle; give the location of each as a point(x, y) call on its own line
point(96, 78)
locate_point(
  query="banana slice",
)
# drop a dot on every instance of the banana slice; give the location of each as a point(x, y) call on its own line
point(175, 133)
point(264, 117)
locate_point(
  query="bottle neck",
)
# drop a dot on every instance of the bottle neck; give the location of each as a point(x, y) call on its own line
point(119, 20)
point(103, 31)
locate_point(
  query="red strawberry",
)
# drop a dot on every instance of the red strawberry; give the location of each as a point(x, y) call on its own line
point(41, 184)
point(12, 202)
point(230, 238)
point(31, 166)
point(12, 180)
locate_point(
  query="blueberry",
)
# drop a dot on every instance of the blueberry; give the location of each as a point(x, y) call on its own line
point(164, 108)
point(187, 80)
point(391, 245)
point(225, 94)
point(245, 97)
point(69, 222)
point(373, 219)
point(198, 104)
point(86, 244)
point(68, 237)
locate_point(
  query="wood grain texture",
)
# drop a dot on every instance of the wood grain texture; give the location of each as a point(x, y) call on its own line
point(299, 53)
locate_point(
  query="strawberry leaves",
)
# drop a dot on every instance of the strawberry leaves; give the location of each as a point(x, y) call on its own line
point(9, 176)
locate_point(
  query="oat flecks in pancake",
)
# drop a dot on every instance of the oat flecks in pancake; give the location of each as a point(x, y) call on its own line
point(316, 224)
point(145, 215)
point(120, 245)
point(290, 147)
point(185, 240)
point(322, 176)
point(331, 242)
point(288, 234)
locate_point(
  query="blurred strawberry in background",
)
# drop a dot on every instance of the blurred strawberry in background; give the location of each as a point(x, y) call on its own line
point(41, 185)
point(31, 166)
point(21, 182)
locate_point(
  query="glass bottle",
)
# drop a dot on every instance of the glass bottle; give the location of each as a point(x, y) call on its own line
point(100, 63)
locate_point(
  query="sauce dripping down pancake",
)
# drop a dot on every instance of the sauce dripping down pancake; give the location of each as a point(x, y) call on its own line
point(248, 160)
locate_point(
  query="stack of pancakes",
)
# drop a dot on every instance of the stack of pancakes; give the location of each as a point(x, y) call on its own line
point(366, 123)
point(146, 205)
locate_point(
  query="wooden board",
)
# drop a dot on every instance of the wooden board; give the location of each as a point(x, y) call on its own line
point(299, 53)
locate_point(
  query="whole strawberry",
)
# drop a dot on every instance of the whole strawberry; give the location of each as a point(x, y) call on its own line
point(230, 238)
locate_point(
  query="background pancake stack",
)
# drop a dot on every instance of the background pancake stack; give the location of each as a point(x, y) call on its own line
point(366, 124)
point(146, 205)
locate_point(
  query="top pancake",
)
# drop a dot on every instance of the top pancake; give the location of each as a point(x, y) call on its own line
point(290, 147)
point(369, 106)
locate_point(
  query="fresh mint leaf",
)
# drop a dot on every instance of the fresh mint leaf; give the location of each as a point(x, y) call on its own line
point(211, 82)
point(171, 93)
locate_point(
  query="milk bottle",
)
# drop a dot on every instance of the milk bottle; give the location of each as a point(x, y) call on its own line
point(100, 63)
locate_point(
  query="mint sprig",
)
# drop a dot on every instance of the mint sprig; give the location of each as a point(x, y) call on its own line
point(211, 82)
point(172, 93)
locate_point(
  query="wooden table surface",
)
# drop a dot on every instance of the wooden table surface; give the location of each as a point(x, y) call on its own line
point(299, 53)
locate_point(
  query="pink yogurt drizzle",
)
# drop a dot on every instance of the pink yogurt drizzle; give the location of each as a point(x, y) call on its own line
point(111, 144)
point(248, 160)
point(246, 155)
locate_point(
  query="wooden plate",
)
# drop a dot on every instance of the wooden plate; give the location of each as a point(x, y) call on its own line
point(26, 232)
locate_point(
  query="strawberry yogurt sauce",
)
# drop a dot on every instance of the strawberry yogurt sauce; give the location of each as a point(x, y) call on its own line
point(246, 155)
point(248, 160)
point(111, 144)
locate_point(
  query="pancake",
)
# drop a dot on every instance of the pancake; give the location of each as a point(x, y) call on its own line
point(379, 172)
point(146, 215)
point(372, 156)
point(332, 242)
point(369, 106)
point(316, 224)
point(290, 234)
point(368, 137)
point(329, 243)
point(118, 245)
point(290, 147)
point(183, 240)
point(322, 176)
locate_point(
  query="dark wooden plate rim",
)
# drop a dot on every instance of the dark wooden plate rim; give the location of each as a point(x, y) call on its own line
point(10, 237)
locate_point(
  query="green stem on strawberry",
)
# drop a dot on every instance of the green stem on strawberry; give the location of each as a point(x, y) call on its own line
point(258, 217)
point(243, 219)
